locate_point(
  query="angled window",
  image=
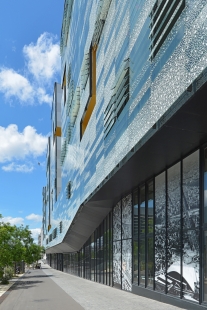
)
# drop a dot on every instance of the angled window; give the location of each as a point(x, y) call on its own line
point(163, 16)
point(92, 97)
point(85, 70)
point(69, 190)
point(61, 227)
point(118, 100)
point(54, 233)
point(64, 83)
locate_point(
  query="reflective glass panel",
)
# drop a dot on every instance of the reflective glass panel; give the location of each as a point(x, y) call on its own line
point(135, 236)
point(117, 222)
point(127, 265)
point(205, 186)
point(150, 263)
point(150, 212)
point(142, 210)
point(205, 266)
point(150, 241)
point(142, 262)
point(117, 264)
point(160, 232)
point(174, 230)
point(191, 217)
point(127, 217)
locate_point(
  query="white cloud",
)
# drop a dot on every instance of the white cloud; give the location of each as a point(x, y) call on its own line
point(34, 217)
point(18, 168)
point(43, 96)
point(43, 58)
point(14, 84)
point(18, 145)
point(42, 64)
point(13, 220)
point(35, 232)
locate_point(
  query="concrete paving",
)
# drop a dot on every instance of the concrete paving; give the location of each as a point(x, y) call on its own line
point(52, 289)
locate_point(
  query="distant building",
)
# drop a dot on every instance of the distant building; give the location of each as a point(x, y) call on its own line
point(125, 203)
point(39, 240)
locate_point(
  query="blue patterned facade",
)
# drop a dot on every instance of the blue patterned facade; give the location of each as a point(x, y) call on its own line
point(147, 58)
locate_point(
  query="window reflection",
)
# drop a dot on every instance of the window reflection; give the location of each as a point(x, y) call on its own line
point(205, 266)
point(150, 246)
point(205, 186)
point(142, 210)
point(135, 236)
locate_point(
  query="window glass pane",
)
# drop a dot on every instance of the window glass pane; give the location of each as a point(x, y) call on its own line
point(117, 264)
point(142, 262)
point(205, 187)
point(142, 210)
point(98, 256)
point(127, 265)
point(92, 258)
point(150, 207)
point(150, 241)
point(191, 227)
point(191, 191)
point(101, 255)
point(105, 254)
point(174, 231)
point(87, 261)
point(135, 237)
point(205, 266)
point(150, 263)
point(127, 217)
point(117, 222)
point(110, 251)
point(160, 232)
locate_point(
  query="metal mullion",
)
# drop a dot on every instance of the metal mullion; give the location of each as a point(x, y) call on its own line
point(201, 222)
point(132, 234)
point(112, 253)
point(102, 244)
point(166, 231)
point(181, 228)
point(153, 233)
point(146, 234)
point(106, 247)
point(139, 227)
point(121, 243)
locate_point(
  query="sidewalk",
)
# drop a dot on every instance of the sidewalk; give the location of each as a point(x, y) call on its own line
point(92, 296)
point(50, 289)
point(5, 289)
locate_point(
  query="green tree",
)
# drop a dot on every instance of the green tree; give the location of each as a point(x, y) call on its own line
point(16, 244)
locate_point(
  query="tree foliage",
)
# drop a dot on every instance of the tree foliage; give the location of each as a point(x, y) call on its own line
point(17, 244)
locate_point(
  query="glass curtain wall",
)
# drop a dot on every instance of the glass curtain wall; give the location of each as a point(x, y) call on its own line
point(143, 235)
point(94, 260)
point(135, 236)
point(177, 229)
point(205, 229)
point(156, 229)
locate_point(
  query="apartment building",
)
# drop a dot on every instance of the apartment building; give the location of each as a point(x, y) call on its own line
point(125, 203)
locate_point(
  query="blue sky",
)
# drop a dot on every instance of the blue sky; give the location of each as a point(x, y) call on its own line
point(29, 66)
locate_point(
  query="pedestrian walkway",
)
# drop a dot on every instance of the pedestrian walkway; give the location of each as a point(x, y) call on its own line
point(54, 290)
point(92, 296)
point(6, 289)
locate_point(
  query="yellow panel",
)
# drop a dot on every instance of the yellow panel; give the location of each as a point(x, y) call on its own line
point(58, 131)
point(92, 100)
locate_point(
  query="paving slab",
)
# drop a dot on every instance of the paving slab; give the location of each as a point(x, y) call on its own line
point(92, 296)
point(36, 291)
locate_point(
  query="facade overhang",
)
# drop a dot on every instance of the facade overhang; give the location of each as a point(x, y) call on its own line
point(180, 131)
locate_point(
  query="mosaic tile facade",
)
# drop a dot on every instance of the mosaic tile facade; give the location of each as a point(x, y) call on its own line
point(125, 35)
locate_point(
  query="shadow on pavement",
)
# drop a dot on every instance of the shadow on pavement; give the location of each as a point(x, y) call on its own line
point(24, 284)
point(37, 276)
